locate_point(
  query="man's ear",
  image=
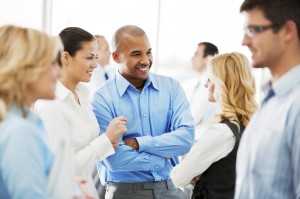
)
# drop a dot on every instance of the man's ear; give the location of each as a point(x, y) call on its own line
point(65, 58)
point(115, 57)
point(290, 30)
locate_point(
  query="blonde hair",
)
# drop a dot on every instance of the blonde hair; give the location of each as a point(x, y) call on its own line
point(24, 54)
point(234, 87)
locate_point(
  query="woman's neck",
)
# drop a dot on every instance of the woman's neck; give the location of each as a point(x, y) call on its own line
point(71, 85)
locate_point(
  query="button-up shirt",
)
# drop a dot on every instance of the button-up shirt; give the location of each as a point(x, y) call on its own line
point(268, 162)
point(75, 125)
point(25, 157)
point(158, 117)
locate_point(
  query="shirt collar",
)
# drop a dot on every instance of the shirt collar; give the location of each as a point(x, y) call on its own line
point(123, 84)
point(62, 92)
point(284, 84)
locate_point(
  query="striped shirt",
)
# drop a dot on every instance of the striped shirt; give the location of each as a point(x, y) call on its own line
point(268, 162)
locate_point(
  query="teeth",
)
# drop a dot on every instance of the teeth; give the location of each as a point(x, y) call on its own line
point(143, 69)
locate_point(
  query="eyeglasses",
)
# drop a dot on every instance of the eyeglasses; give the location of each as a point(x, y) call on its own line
point(252, 30)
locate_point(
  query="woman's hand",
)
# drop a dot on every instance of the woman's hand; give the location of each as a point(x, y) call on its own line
point(82, 194)
point(195, 180)
point(115, 129)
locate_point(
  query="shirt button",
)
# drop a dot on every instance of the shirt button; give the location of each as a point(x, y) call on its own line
point(157, 166)
point(145, 114)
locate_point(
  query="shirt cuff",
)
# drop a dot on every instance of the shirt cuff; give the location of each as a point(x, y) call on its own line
point(144, 143)
point(102, 147)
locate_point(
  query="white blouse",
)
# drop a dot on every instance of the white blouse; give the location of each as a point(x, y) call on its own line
point(216, 143)
point(65, 119)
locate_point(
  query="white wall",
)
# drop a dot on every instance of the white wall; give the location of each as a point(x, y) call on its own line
point(174, 27)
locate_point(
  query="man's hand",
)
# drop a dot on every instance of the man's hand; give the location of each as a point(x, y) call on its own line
point(132, 143)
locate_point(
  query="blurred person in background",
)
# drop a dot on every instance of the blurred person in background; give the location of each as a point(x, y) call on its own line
point(202, 110)
point(28, 71)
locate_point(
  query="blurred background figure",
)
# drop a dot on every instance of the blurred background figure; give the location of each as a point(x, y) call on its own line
point(28, 71)
point(202, 110)
point(104, 69)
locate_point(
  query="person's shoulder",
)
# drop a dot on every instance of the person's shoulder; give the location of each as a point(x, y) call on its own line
point(107, 86)
point(296, 91)
point(294, 104)
point(18, 127)
point(46, 106)
point(164, 80)
point(106, 91)
point(219, 129)
point(162, 77)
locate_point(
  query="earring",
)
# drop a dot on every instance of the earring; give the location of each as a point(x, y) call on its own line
point(67, 62)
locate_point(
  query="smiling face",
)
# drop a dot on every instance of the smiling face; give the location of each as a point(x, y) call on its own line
point(266, 46)
point(79, 68)
point(135, 59)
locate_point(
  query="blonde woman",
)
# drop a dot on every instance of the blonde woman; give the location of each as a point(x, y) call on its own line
point(71, 117)
point(28, 71)
point(210, 164)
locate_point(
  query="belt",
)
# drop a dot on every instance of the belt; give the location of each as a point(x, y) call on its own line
point(141, 186)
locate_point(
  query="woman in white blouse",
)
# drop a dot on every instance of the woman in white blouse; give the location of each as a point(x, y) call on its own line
point(69, 119)
point(210, 164)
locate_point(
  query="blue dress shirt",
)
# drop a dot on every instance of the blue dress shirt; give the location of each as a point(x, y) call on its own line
point(25, 157)
point(159, 118)
point(268, 162)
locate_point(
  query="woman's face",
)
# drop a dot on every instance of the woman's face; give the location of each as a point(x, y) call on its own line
point(44, 86)
point(82, 64)
point(211, 90)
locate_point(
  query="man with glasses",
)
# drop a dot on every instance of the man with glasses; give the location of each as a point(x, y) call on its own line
point(268, 162)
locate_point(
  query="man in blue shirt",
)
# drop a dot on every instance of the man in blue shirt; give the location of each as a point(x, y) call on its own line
point(268, 162)
point(160, 125)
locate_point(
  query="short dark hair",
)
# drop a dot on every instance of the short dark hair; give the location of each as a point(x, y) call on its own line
point(73, 37)
point(277, 11)
point(210, 49)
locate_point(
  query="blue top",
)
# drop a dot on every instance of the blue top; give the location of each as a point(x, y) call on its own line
point(268, 163)
point(159, 118)
point(26, 157)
